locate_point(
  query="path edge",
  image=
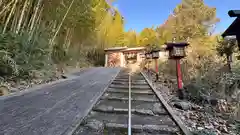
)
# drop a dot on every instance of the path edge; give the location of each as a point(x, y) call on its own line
point(40, 86)
point(177, 120)
point(73, 128)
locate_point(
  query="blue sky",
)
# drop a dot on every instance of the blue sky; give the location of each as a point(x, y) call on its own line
point(139, 14)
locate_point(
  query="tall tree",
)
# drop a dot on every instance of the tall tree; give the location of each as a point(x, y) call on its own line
point(191, 19)
point(149, 38)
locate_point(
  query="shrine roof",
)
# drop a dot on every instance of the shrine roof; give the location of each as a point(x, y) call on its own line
point(116, 48)
point(124, 49)
point(233, 29)
point(135, 49)
point(170, 45)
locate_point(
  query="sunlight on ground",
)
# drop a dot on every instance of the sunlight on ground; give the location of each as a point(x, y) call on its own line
point(134, 67)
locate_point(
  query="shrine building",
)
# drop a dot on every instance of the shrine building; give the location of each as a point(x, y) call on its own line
point(122, 56)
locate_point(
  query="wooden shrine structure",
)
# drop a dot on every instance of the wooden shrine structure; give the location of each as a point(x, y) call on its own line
point(122, 56)
point(234, 28)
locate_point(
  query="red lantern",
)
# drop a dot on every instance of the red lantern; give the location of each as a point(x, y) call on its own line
point(177, 52)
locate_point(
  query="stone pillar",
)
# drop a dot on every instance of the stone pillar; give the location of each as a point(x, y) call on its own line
point(106, 60)
point(138, 58)
point(122, 60)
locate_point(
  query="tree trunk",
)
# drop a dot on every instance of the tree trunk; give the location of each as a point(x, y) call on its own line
point(229, 60)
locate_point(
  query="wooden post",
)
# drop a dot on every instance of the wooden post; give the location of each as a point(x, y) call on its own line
point(179, 74)
point(229, 61)
point(180, 92)
point(156, 69)
point(106, 59)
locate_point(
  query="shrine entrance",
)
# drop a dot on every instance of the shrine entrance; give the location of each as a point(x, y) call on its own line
point(123, 56)
point(130, 57)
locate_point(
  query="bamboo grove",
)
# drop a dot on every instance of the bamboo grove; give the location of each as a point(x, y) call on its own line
point(37, 34)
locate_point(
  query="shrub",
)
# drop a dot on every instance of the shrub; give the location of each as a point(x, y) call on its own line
point(21, 55)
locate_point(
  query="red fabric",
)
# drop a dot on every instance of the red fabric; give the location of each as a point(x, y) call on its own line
point(156, 65)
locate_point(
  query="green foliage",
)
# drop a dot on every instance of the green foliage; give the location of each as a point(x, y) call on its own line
point(131, 38)
point(7, 64)
point(21, 56)
point(191, 19)
point(226, 47)
point(148, 37)
point(96, 56)
point(59, 53)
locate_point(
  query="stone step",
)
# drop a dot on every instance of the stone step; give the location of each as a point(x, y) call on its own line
point(133, 91)
point(95, 127)
point(132, 76)
point(126, 83)
point(132, 86)
point(126, 80)
point(132, 80)
point(138, 107)
point(122, 129)
point(161, 120)
point(124, 96)
point(126, 99)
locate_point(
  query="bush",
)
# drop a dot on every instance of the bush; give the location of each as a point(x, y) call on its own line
point(21, 55)
point(7, 64)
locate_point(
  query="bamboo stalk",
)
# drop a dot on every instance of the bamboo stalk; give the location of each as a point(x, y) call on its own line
point(66, 37)
point(15, 18)
point(1, 3)
point(38, 21)
point(34, 16)
point(9, 16)
point(27, 16)
point(21, 16)
point(51, 42)
point(6, 7)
